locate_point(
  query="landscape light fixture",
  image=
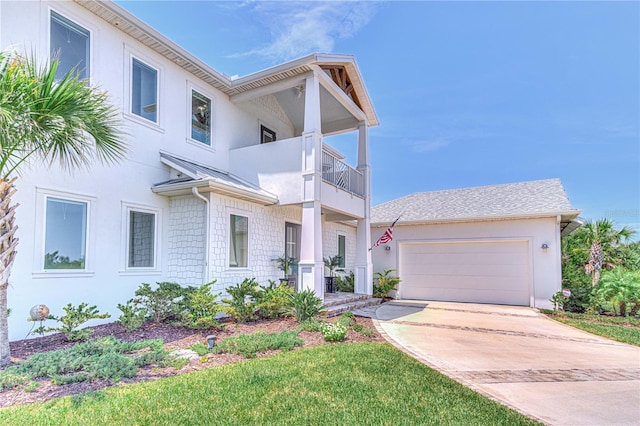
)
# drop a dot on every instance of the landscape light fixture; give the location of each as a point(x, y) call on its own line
point(211, 340)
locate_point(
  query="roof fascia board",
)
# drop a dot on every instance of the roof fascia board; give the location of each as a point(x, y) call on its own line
point(306, 60)
point(270, 89)
point(217, 187)
point(339, 94)
point(565, 215)
point(131, 19)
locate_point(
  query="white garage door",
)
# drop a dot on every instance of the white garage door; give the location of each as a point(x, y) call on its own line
point(479, 271)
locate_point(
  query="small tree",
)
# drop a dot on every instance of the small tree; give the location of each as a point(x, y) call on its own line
point(65, 121)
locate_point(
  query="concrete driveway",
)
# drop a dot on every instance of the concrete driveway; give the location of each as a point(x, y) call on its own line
point(544, 369)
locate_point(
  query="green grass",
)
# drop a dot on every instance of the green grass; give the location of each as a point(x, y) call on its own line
point(357, 383)
point(620, 333)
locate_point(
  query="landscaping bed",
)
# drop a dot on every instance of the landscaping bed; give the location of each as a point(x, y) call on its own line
point(174, 338)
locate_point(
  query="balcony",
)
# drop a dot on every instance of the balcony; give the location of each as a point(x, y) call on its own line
point(277, 168)
point(338, 173)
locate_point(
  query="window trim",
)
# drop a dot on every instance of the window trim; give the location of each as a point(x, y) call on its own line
point(344, 258)
point(130, 55)
point(74, 19)
point(191, 86)
point(127, 208)
point(267, 130)
point(39, 270)
point(233, 212)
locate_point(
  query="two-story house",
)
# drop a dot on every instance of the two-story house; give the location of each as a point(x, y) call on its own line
point(222, 175)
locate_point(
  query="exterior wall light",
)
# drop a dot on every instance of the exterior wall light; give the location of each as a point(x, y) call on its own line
point(544, 246)
point(387, 248)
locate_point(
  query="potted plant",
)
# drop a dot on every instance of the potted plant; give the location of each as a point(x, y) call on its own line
point(330, 281)
point(285, 264)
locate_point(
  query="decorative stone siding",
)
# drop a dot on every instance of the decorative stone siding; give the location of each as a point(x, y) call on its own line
point(330, 231)
point(266, 240)
point(186, 251)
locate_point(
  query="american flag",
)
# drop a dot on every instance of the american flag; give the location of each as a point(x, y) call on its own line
point(387, 236)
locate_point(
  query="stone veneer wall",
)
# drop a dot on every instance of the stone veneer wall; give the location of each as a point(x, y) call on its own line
point(186, 240)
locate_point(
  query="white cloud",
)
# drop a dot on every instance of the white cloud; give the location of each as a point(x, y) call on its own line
point(299, 28)
point(429, 145)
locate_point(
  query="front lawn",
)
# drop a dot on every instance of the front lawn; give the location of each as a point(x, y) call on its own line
point(621, 329)
point(355, 383)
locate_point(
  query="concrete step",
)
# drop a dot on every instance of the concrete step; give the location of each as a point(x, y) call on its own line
point(351, 305)
point(338, 298)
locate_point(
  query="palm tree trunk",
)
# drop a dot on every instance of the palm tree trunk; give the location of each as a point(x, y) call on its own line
point(8, 243)
point(595, 260)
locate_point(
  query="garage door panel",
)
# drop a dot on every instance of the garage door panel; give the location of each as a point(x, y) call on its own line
point(481, 271)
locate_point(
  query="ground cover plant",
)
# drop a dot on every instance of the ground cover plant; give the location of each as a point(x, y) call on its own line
point(621, 329)
point(321, 385)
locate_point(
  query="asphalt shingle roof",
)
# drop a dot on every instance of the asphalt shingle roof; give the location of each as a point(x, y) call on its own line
point(533, 198)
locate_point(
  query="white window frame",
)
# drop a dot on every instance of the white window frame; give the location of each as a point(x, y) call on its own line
point(191, 86)
point(130, 55)
point(92, 60)
point(39, 270)
point(127, 208)
point(344, 260)
point(249, 239)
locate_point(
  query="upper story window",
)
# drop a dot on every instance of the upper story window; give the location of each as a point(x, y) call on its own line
point(65, 241)
point(144, 91)
point(200, 118)
point(70, 43)
point(267, 135)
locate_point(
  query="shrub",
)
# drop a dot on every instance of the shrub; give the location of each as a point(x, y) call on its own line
point(620, 288)
point(310, 324)
point(242, 305)
point(73, 318)
point(133, 316)
point(249, 345)
point(347, 319)
point(165, 302)
point(107, 358)
point(333, 332)
point(305, 305)
point(385, 283)
point(200, 348)
point(202, 308)
point(273, 299)
point(346, 284)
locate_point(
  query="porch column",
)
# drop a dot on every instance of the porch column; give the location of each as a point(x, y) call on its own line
point(364, 266)
point(311, 266)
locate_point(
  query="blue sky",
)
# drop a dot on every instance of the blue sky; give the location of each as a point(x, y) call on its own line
point(467, 93)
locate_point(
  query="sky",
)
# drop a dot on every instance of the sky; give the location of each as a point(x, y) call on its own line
point(467, 93)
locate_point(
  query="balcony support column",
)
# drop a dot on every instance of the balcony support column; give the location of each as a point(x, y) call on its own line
point(364, 266)
point(311, 266)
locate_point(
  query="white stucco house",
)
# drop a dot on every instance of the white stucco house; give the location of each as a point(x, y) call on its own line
point(222, 175)
point(493, 244)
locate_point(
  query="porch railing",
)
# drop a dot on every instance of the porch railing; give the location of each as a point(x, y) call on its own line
point(338, 173)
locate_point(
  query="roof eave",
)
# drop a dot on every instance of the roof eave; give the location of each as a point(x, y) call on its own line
point(215, 186)
point(565, 215)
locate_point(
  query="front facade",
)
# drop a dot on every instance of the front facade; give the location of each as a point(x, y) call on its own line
point(497, 244)
point(222, 176)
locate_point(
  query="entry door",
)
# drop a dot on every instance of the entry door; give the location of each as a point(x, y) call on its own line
point(292, 244)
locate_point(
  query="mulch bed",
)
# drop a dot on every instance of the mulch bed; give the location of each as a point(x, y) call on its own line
point(174, 337)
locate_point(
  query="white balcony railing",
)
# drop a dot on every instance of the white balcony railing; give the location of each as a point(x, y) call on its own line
point(338, 173)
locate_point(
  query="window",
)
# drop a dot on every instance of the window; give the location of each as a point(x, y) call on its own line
point(141, 241)
point(70, 43)
point(292, 244)
point(239, 241)
point(65, 245)
point(200, 118)
point(144, 91)
point(267, 135)
point(342, 250)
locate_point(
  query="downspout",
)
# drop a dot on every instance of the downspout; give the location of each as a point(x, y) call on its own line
point(194, 191)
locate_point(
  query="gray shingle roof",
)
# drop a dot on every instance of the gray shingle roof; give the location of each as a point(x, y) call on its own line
point(535, 198)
